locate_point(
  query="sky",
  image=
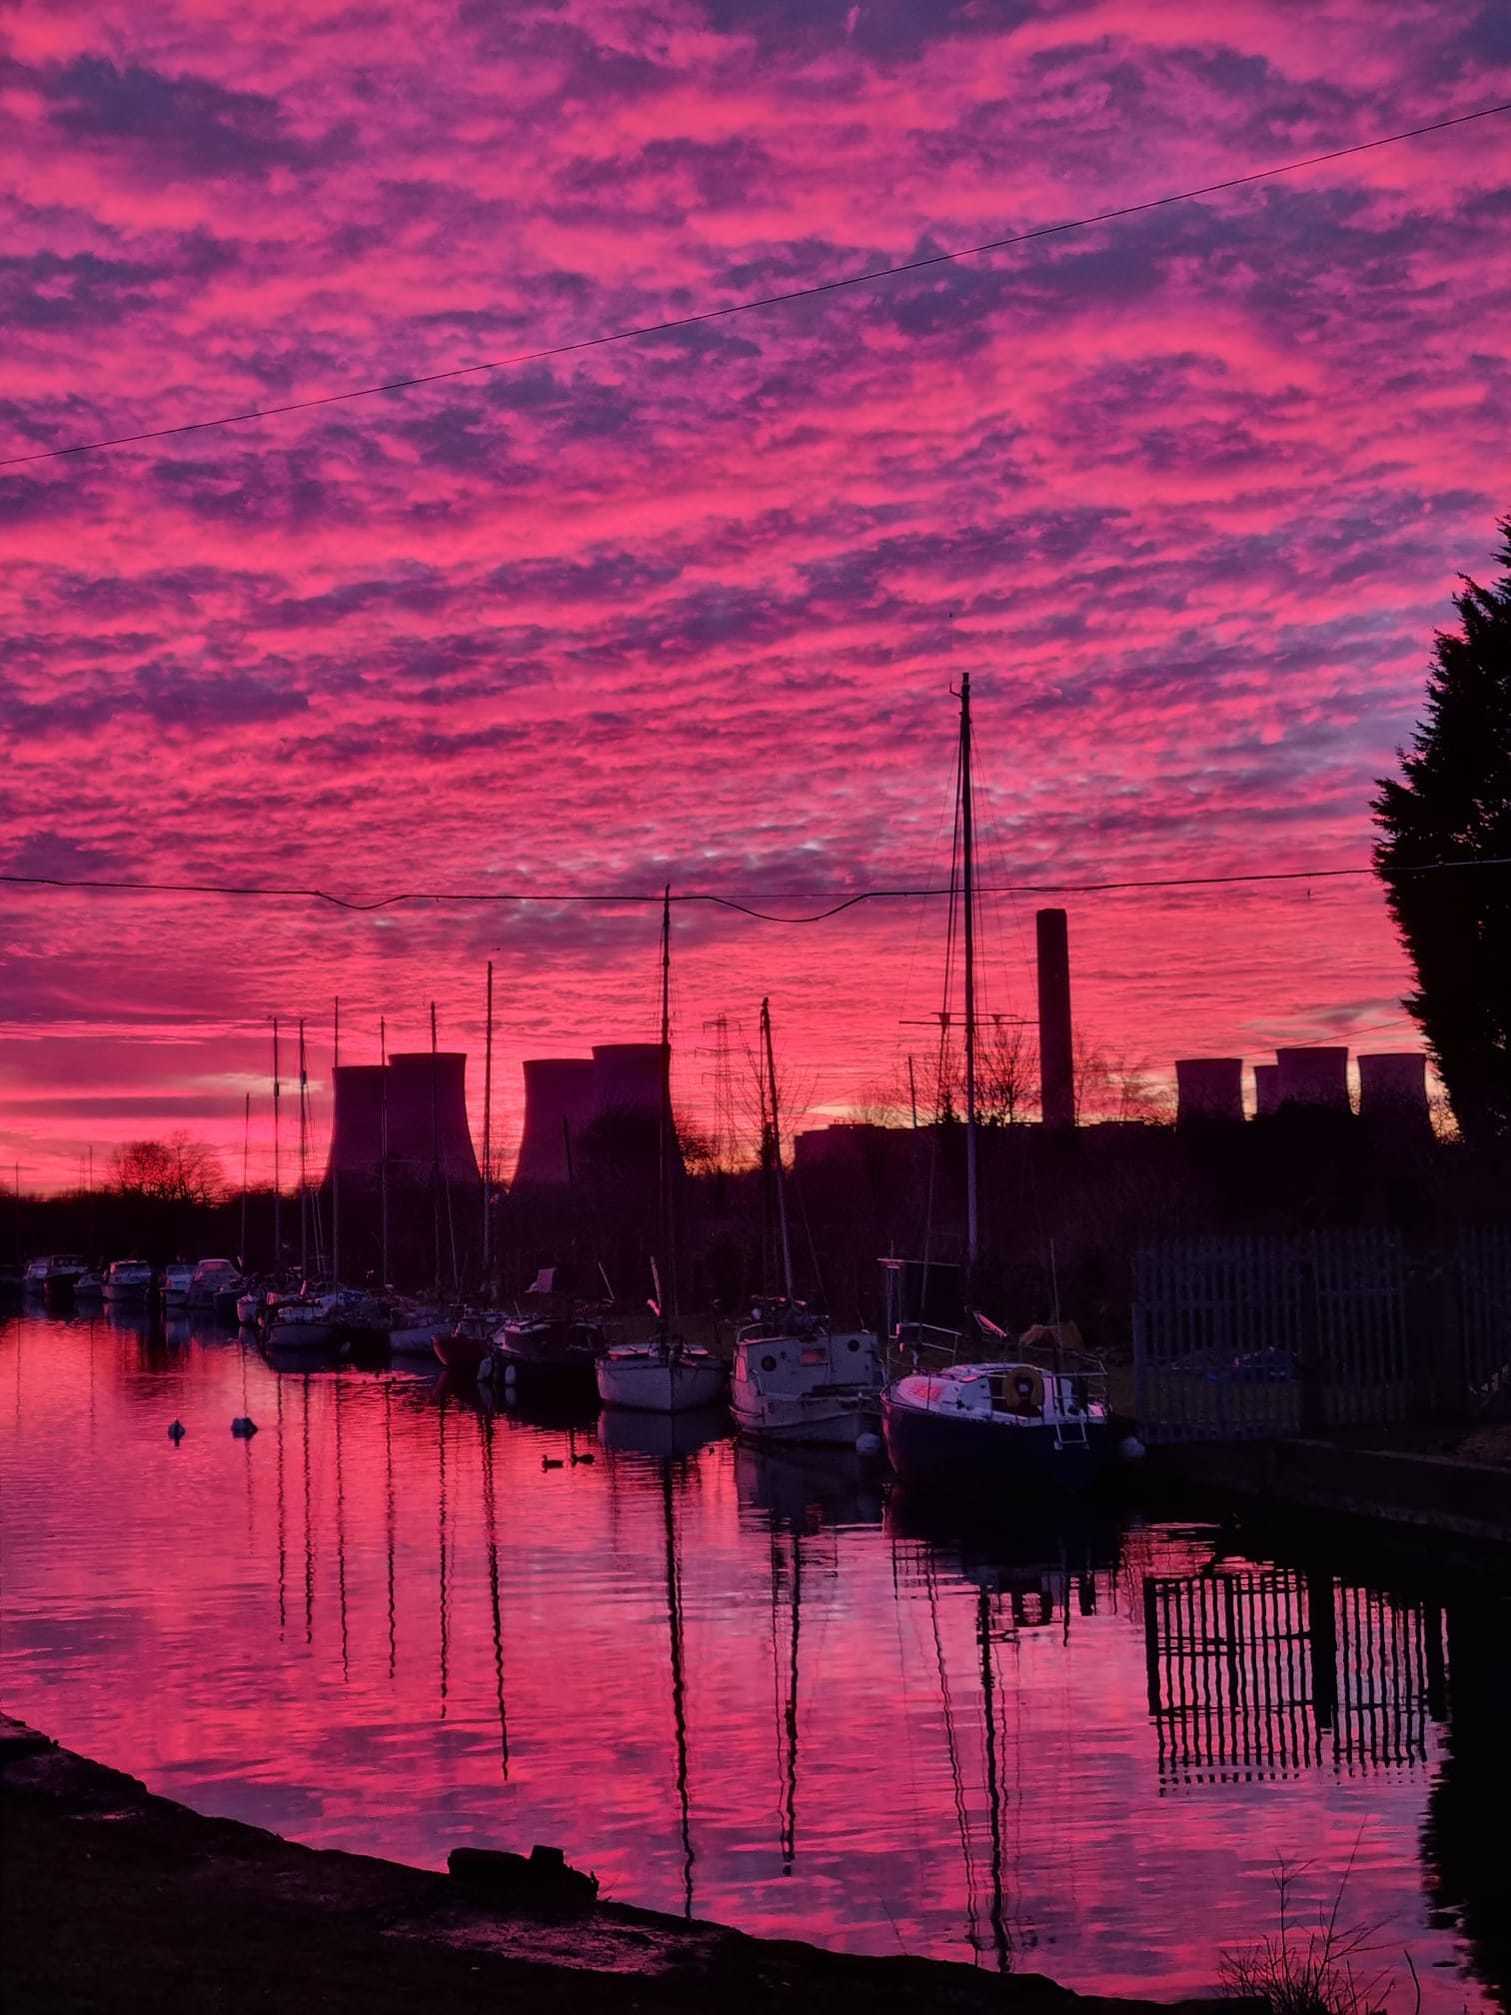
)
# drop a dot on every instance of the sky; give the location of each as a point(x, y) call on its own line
point(1186, 494)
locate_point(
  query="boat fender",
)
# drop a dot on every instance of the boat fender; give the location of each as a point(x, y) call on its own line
point(868, 1444)
point(176, 1432)
point(244, 1427)
point(1131, 1449)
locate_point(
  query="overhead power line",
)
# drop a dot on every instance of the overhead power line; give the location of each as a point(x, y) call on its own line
point(836, 900)
point(670, 324)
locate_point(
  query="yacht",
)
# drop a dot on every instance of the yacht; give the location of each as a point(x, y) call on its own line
point(663, 1375)
point(214, 1281)
point(1033, 1422)
point(127, 1280)
point(549, 1357)
point(796, 1380)
point(303, 1321)
point(414, 1328)
point(56, 1275)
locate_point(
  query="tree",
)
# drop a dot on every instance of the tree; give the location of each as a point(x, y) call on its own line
point(177, 1170)
point(1452, 803)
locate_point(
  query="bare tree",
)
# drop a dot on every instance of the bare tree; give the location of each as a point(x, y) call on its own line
point(1110, 1085)
point(176, 1170)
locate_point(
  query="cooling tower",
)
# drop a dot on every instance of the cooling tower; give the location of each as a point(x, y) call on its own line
point(427, 1116)
point(626, 1078)
point(1208, 1088)
point(1266, 1089)
point(1314, 1077)
point(1057, 1093)
point(558, 1101)
point(357, 1122)
point(1393, 1086)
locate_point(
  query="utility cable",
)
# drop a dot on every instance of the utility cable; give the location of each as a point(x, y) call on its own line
point(638, 331)
point(836, 901)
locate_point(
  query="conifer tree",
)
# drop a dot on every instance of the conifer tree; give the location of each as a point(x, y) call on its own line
point(1452, 802)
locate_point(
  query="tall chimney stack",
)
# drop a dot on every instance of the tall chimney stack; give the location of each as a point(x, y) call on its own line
point(1057, 1092)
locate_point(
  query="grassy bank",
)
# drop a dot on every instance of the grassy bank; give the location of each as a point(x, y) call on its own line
point(114, 1899)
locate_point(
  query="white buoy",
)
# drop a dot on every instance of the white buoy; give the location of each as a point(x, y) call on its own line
point(1131, 1449)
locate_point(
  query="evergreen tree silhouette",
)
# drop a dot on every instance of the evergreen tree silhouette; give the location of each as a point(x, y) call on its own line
point(1452, 802)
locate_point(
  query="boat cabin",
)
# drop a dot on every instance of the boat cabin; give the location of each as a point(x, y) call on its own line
point(1023, 1394)
point(773, 1361)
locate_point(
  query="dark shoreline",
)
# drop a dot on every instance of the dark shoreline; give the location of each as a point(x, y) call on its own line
point(113, 1898)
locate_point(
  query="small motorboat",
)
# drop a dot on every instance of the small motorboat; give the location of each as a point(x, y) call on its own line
point(414, 1328)
point(213, 1282)
point(127, 1280)
point(547, 1357)
point(90, 1285)
point(56, 1276)
point(797, 1380)
point(665, 1374)
point(301, 1322)
point(1015, 1425)
point(467, 1342)
point(175, 1284)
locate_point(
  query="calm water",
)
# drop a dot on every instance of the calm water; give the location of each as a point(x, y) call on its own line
point(748, 1686)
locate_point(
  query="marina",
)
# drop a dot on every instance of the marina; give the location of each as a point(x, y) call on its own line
point(767, 1687)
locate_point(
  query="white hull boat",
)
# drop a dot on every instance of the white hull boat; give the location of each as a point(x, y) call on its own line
point(795, 1381)
point(301, 1325)
point(127, 1280)
point(176, 1281)
point(659, 1377)
point(416, 1331)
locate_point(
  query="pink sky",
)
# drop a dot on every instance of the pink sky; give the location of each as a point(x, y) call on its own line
point(1186, 494)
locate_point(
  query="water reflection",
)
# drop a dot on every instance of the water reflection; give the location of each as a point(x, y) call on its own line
point(751, 1685)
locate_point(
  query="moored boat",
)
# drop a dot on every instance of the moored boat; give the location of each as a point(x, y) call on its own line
point(414, 1327)
point(175, 1284)
point(797, 1380)
point(301, 1322)
point(464, 1345)
point(56, 1276)
point(548, 1357)
point(663, 1375)
point(1010, 1425)
point(215, 1281)
point(127, 1280)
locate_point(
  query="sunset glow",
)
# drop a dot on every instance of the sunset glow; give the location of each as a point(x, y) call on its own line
point(1186, 494)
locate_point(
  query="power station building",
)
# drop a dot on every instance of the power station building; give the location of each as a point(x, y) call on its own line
point(419, 1101)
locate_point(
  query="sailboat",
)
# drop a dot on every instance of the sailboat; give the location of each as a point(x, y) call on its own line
point(664, 1374)
point(1033, 1422)
point(794, 1378)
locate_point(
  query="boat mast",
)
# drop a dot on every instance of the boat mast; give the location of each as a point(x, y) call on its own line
point(487, 1129)
point(435, 1150)
point(383, 1155)
point(335, 1174)
point(776, 1148)
point(968, 889)
point(277, 1179)
point(665, 1131)
point(304, 1145)
point(246, 1161)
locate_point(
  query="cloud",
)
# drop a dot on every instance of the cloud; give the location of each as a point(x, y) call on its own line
point(1186, 494)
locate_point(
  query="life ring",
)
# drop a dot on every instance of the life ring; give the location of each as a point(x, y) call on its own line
point(1028, 1390)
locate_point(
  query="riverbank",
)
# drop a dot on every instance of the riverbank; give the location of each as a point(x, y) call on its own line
point(1461, 1496)
point(114, 1899)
